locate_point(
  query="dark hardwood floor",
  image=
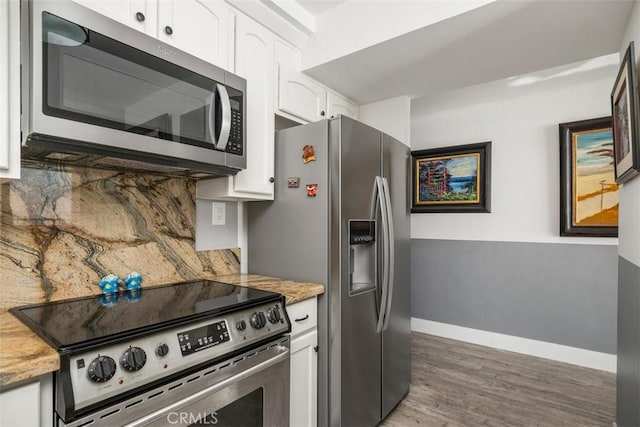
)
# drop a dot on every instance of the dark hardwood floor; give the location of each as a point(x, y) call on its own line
point(459, 384)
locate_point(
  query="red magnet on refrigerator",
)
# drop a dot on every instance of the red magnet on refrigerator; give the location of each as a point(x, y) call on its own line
point(312, 190)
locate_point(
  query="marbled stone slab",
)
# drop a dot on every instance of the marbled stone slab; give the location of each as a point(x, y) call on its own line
point(292, 290)
point(64, 229)
point(23, 354)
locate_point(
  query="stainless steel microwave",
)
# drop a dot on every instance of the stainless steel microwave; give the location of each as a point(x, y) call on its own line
point(98, 93)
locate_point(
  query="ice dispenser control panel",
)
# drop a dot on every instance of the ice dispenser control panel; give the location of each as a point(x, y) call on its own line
point(362, 256)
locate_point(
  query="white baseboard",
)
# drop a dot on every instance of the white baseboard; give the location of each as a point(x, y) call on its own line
point(562, 353)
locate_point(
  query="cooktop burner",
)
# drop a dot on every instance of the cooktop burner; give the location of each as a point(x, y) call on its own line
point(101, 318)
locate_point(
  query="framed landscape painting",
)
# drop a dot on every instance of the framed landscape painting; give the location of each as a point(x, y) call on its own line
point(452, 179)
point(588, 189)
point(625, 110)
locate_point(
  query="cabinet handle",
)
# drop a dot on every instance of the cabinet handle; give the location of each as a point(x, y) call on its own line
point(168, 30)
point(322, 113)
point(272, 180)
point(140, 16)
point(316, 348)
point(302, 319)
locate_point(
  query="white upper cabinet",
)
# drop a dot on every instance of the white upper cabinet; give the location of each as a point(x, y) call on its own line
point(203, 28)
point(138, 14)
point(337, 104)
point(10, 90)
point(254, 62)
point(254, 52)
point(300, 95)
point(303, 99)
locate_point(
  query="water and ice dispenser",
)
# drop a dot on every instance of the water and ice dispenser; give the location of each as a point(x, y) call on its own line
point(362, 256)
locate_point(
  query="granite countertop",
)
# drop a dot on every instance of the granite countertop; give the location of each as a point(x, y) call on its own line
point(24, 355)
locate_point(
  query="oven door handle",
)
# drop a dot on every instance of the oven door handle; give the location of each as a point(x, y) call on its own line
point(209, 390)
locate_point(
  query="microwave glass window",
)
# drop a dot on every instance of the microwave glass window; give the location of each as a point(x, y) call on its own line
point(94, 79)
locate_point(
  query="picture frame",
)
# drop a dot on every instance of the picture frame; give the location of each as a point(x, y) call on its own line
point(452, 179)
point(624, 110)
point(588, 189)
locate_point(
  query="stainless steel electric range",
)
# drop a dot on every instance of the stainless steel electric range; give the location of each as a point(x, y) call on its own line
point(192, 353)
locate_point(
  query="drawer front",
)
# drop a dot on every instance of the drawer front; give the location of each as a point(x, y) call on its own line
point(303, 316)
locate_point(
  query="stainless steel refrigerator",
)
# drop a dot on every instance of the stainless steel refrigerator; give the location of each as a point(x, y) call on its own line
point(341, 218)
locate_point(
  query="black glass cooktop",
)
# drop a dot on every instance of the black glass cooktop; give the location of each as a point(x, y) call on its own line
point(104, 318)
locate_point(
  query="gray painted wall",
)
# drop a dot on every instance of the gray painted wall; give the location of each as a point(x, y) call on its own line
point(560, 293)
point(628, 377)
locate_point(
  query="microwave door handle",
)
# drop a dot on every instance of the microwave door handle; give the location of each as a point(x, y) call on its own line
point(212, 119)
point(225, 126)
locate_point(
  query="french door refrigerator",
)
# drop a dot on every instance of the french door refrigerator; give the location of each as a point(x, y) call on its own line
point(340, 217)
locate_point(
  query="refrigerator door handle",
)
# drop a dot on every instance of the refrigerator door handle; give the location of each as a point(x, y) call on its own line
point(386, 199)
point(384, 217)
point(375, 204)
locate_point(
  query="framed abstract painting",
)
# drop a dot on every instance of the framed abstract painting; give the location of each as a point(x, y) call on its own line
point(588, 189)
point(452, 179)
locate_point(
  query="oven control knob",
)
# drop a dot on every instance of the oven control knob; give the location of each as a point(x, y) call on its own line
point(101, 369)
point(273, 314)
point(133, 359)
point(258, 320)
point(162, 350)
point(241, 325)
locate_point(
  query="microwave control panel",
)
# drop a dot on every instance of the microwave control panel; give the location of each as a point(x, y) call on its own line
point(235, 145)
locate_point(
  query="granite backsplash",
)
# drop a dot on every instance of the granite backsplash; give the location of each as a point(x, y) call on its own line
point(62, 229)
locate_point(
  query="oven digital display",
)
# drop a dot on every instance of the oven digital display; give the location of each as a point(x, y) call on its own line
point(204, 337)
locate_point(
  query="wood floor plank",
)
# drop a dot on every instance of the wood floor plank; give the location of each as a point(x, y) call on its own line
point(454, 383)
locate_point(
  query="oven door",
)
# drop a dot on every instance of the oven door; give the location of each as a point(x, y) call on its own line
point(248, 390)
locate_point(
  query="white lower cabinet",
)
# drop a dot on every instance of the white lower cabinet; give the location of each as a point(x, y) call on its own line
point(29, 404)
point(304, 368)
point(304, 363)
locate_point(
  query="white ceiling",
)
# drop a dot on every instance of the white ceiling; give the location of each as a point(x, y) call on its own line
point(316, 7)
point(502, 39)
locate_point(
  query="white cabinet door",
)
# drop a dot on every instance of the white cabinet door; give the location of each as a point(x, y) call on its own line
point(304, 368)
point(254, 62)
point(20, 406)
point(29, 404)
point(336, 104)
point(300, 95)
point(10, 90)
point(203, 28)
point(138, 14)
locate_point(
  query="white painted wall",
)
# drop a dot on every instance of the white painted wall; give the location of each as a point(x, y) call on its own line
point(629, 226)
point(520, 116)
point(391, 116)
point(355, 25)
